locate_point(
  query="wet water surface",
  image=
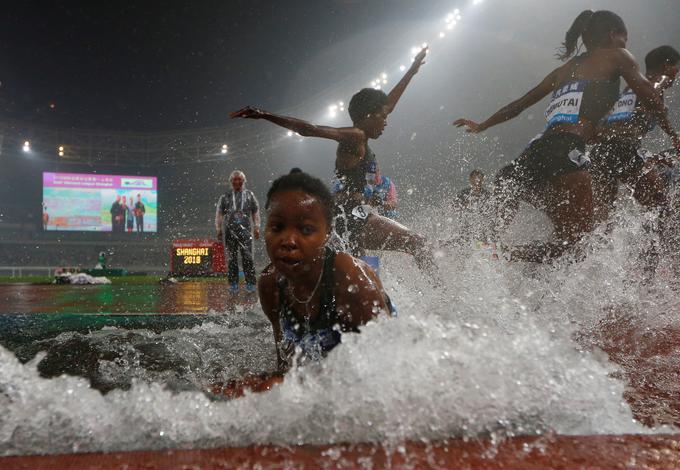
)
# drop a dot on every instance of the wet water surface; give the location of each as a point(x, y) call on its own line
point(501, 350)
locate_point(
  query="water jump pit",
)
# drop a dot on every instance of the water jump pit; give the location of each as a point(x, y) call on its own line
point(87, 360)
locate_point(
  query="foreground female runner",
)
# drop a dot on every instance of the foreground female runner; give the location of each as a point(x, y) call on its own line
point(310, 293)
point(355, 165)
point(553, 170)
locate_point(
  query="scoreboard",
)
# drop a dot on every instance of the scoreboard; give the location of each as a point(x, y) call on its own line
point(197, 257)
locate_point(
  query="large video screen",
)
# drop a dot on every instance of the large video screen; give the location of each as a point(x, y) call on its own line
point(99, 203)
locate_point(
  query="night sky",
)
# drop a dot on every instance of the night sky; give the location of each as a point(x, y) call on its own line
point(147, 66)
point(169, 65)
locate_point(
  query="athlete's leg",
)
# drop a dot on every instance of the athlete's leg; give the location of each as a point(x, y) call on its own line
point(650, 190)
point(569, 205)
point(381, 233)
point(604, 195)
point(514, 183)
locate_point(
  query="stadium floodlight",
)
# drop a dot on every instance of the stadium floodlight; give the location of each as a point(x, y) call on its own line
point(289, 133)
point(334, 108)
point(61, 150)
point(402, 67)
point(225, 148)
point(27, 146)
point(442, 34)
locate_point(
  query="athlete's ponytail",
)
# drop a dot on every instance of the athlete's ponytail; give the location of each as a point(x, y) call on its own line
point(575, 31)
point(594, 28)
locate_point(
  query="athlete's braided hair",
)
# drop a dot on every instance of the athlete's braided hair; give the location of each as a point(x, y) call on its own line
point(298, 180)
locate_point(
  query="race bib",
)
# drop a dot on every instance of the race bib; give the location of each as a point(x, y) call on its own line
point(565, 104)
point(579, 158)
point(644, 154)
point(362, 212)
point(623, 109)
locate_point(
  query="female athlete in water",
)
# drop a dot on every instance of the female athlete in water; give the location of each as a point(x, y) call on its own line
point(310, 293)
point(553, 169)
point(356, 164)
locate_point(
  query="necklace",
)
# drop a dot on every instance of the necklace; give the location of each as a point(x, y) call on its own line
point(311, 296)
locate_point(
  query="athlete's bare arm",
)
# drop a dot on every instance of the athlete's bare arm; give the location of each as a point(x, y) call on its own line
point(269, 300)
point(514, 109)
point(346, 135)
point(359, 293)
point(398, 90)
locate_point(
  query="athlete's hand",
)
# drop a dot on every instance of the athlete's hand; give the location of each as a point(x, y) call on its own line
point(249, 112)
point(256, 233)
point(472, 126)
point(419, 60)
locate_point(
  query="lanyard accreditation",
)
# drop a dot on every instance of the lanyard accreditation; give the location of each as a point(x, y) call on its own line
point(233, 200)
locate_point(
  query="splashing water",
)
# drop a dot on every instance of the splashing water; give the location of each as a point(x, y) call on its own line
point(503, 349)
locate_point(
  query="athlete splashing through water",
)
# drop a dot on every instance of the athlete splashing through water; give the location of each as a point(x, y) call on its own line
point(355, 219)
point(553, 170)
point(310, 293)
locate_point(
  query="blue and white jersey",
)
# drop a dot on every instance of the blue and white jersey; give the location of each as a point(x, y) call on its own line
point(565, 104)
point(626, 110)
point(623, 108)
point(337, 186)
point(313, 345)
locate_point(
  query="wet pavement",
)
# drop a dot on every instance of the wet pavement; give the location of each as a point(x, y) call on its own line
point(190, 297)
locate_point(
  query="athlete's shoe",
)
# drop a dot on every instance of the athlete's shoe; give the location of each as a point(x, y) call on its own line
point(251, 288)
point(233, 288)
